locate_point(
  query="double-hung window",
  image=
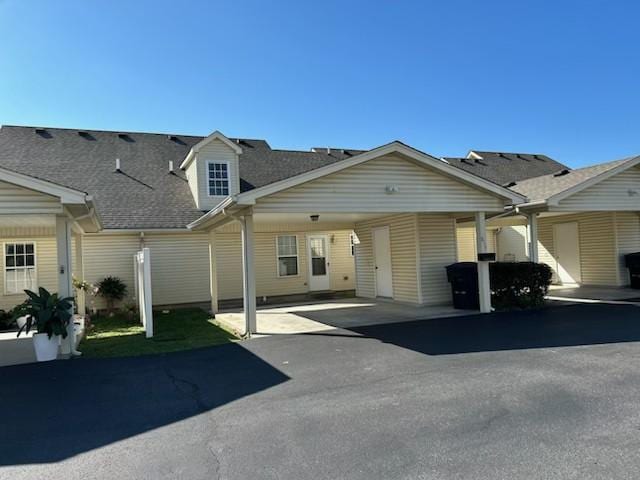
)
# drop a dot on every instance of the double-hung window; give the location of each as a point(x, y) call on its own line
point(19, 267)
point(287, 246)
point(218, 177)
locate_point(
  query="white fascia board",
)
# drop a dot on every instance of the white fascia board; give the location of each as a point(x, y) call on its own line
point(250, 197)
point(214, 136)
point(554, 199)
point(67, 195)
point(218, 210)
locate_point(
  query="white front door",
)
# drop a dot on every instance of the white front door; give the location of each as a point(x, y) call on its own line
point(567, 252)
point(318, 253)
point(382, 259)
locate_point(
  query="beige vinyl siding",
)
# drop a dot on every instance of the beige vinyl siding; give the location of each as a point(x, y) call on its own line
point(179, 268)
point(598, 261)
point(628, 238)
point(268, 283)
point(361, 188)
point(512, 240)
point(179, 265)
point(466, 240)
point(107, 255)
point(403, 237)
point(612, 194)
point(17, 200)
point(437, 234)
point(197, 173)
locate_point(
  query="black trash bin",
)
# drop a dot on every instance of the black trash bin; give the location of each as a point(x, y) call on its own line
point(632, 261)
point(463, 277)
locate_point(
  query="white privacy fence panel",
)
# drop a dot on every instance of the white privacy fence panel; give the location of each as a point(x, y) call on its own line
point(142, 265)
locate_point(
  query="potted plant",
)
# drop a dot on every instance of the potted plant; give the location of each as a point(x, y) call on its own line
point(112, 289)
point(50, 315)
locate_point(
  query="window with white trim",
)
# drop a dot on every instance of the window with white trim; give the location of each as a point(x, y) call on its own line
point(218, 176)
point(19, 267)
point(287, 246)
point(352, 243)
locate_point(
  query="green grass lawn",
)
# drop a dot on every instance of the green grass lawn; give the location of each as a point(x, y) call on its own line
point(181, 329)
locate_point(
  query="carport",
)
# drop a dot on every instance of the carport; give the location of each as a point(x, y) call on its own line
point(402, 205)
point(53, 217)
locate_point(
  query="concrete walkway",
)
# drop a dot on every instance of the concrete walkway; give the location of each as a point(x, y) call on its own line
point(590, 294)
point(327, 315)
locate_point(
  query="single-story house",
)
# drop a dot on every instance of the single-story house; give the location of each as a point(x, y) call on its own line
point(231, 219)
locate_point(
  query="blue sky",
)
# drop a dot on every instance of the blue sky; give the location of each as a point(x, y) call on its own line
point(555, 77)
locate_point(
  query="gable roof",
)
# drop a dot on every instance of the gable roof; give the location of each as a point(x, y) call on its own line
point(505, 168)
point(143, 195)
point(249, 198)
point(552, 187)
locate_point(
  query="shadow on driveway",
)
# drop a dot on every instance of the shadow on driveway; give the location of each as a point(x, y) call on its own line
point(56, 410)
point(556, 326)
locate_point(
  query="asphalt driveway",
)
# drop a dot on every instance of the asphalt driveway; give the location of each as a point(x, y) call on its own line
point(548, 394)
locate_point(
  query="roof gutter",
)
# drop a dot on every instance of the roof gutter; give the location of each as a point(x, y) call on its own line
point(537, 203)
point(221, 209)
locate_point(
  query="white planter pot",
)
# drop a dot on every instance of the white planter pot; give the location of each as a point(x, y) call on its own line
point(21, 321)
point(46, 348)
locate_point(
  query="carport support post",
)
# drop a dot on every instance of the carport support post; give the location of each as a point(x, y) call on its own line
point(532, 230)
point(65, 287)
point(484, 287)
point(248, 274)
point(213, 272)
point(81, 294)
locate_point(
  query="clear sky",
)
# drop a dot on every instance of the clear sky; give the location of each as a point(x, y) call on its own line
point(554, 77)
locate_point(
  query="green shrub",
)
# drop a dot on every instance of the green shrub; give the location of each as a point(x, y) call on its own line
point(519, 284)
point(112, 289)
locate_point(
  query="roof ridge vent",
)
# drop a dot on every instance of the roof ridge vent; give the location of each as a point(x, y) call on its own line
point(125, 136)
point(86, 135)
point(43, 132)
point(560, 173)
point(175, 139)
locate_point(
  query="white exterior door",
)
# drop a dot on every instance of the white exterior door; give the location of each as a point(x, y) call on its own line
point(318, 254)
point(567, 252)
point(382, 259)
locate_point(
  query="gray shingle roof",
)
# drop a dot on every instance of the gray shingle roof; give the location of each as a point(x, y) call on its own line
point(144, 195)
point(505, 168)
point(545, 186)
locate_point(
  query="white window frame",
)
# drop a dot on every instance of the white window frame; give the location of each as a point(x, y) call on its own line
point(297, 255)
point(352, 244)
point(218, 162)
point(4, 264)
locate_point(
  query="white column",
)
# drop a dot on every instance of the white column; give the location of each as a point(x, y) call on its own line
point(532, 230)
point(248, 274)
point(65, 287)
point(82, 302)
point(213, 272)
point(483, 267)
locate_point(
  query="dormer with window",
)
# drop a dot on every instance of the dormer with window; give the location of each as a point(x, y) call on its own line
point(212, 169)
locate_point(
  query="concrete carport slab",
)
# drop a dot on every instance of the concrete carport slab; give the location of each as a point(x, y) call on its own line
point(343, 313)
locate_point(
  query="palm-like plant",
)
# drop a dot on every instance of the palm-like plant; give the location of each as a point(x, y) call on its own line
point(112, 289)
point(46, 311)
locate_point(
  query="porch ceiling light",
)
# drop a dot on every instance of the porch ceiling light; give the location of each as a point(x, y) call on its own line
point(314, 218)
